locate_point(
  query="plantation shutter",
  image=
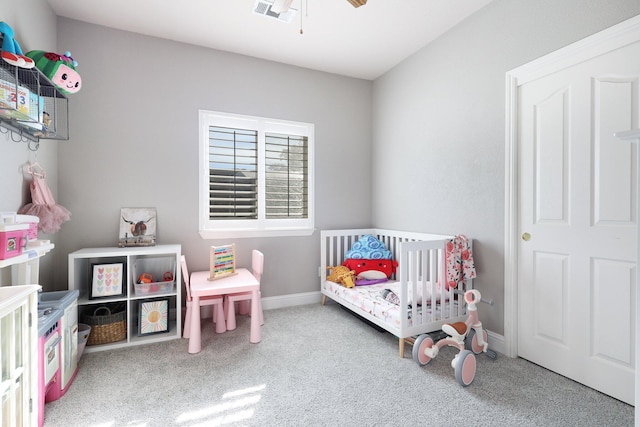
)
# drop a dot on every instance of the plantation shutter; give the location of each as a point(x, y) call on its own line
point(233, 173)
point(286, 176)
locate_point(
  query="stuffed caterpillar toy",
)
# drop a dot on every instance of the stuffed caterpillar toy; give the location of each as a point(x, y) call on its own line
point(60, 69)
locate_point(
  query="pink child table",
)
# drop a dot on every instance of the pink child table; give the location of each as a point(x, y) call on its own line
point(242, 281)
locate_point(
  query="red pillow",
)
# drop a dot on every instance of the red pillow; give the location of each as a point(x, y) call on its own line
point(386, 266)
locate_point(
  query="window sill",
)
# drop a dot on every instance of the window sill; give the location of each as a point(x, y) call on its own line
point(245, 234)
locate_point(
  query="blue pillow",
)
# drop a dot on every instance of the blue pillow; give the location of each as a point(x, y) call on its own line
point(368, 247)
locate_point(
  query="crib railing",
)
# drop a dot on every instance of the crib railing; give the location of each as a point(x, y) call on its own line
point(334, 244)
point(421, 271)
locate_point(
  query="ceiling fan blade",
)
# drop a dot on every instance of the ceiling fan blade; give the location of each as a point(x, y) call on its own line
point(281, 6)
point(357, 3)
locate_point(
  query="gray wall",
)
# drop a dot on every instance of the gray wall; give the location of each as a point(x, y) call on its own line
point(436, 122)
point(34, 24)
point(440, 118)
point(134, 143)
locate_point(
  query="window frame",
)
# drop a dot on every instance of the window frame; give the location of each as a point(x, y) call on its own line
point(260, 227)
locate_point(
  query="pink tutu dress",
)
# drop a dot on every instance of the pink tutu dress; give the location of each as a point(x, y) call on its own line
point(43, 205)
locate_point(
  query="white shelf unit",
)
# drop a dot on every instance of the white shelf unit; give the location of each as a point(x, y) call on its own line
point(19, 354)
point(25, 268)
point(154, 260)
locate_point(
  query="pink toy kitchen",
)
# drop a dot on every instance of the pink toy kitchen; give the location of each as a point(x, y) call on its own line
point(39, 330)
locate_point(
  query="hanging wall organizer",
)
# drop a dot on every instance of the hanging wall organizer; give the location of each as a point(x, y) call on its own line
point(31, 107)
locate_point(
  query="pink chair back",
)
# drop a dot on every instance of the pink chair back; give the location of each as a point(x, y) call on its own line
point(257, 264)
point(185, 276)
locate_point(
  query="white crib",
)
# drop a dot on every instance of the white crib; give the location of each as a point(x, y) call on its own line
point(420, 272)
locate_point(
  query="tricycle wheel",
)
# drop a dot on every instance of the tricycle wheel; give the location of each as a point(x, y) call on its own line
point(465, 367)
point(422, 342)
point(471, 342)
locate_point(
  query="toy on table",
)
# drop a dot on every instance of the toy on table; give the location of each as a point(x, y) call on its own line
point(11, 51)
point(60, 69)
point(342, 275)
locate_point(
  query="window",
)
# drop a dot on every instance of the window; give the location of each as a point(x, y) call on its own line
point(256, 176)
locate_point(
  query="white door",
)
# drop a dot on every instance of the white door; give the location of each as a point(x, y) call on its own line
point(576, 213)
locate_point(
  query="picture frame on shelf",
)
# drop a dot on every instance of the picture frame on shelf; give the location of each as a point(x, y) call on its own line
point(107, 280)
point(137, 227)
point(153, 317)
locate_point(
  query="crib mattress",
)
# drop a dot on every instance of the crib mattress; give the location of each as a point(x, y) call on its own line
point(370, 299)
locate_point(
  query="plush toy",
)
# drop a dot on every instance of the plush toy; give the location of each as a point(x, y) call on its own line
point(372, 269)
point(368, 247)
point(342, 275)
point(60, 69)
point(371, 261)
point(11, 51)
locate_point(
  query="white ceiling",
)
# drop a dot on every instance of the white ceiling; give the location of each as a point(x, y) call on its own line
point(362, 42)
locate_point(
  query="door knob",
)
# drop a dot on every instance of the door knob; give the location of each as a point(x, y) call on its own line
point(526, 237)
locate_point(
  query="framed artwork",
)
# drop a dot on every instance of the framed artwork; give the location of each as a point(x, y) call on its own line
point(107, 280)
point(137, 227)
point(153, 317)
point(222, 262)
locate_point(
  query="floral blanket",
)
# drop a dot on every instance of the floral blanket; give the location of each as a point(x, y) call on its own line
point(370, 299)
point(459, 261)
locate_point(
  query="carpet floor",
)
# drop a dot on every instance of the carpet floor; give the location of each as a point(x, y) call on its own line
point(317, 366)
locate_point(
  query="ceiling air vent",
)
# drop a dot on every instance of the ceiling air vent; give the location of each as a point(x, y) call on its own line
point(263, 7)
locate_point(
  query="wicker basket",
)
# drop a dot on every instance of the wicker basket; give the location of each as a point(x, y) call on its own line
point(106, 327)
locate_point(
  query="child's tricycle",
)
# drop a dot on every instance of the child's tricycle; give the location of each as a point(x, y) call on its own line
point(469, 337)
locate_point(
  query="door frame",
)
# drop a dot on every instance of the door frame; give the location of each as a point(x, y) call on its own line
point(617, 36)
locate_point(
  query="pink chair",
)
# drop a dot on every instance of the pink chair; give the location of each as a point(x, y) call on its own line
point(215, 300)
point(257, 266)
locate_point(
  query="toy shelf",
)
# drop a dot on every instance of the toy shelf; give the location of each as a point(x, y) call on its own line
point(154, 260)
point(31, 105)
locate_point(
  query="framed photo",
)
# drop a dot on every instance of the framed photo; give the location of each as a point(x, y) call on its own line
point(137, 227)
point(153, 317)
point(107, 280)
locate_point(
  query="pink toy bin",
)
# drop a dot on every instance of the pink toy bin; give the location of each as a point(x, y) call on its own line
point(32, 221)
point(13, 237)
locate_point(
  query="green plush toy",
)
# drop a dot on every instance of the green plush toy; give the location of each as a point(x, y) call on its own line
point(60, 69)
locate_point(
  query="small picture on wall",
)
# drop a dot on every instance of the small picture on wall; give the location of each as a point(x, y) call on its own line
point(137, 227)
point(106, 280)
point(153, 317)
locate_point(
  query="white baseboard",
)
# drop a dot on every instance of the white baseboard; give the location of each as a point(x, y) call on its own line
point(496, 341)
point(270, 303)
